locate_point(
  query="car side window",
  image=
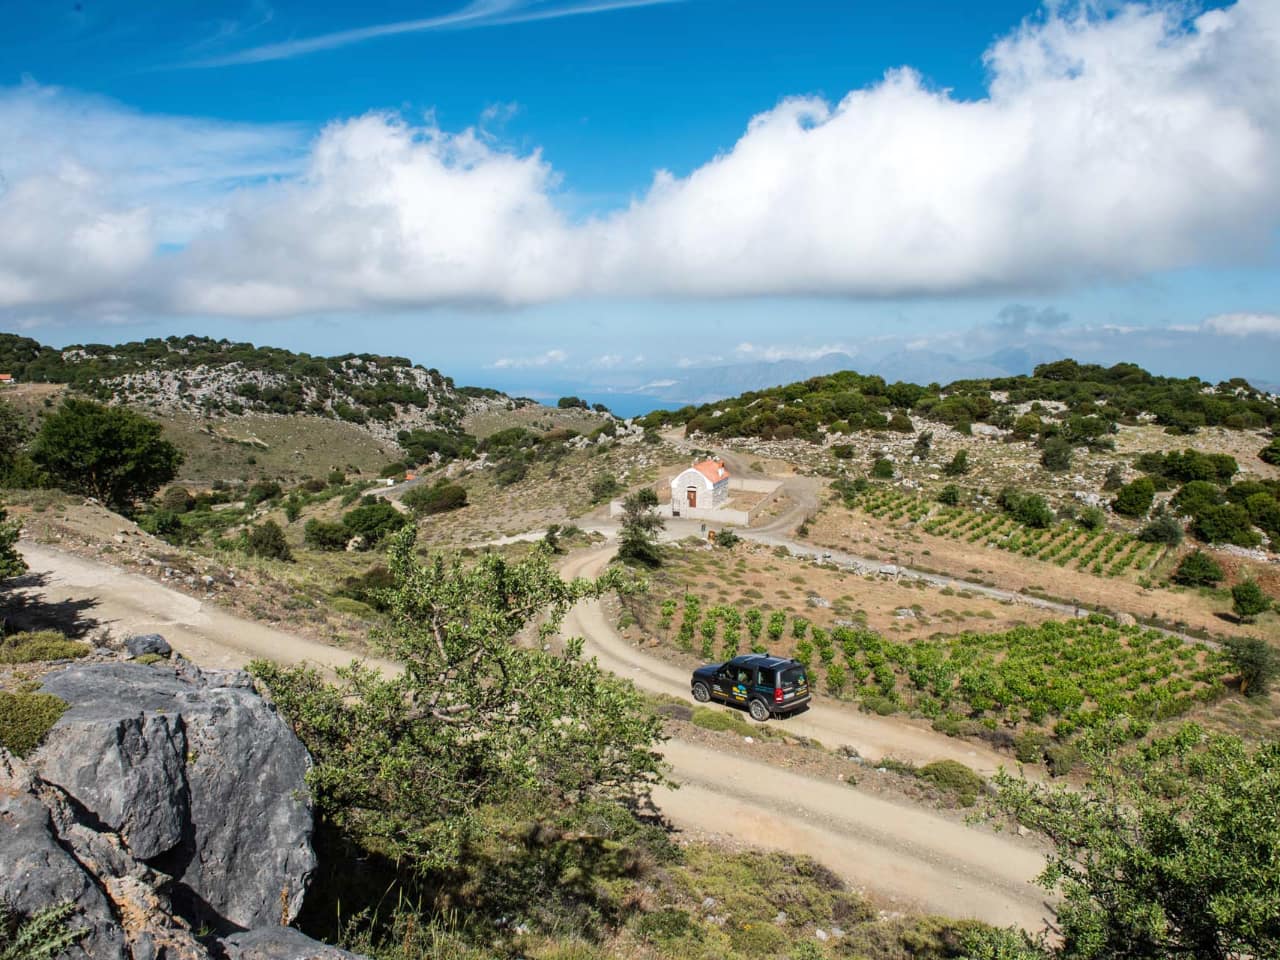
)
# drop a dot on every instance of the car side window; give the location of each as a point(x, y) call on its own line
point(743, 675)
point(767, 677)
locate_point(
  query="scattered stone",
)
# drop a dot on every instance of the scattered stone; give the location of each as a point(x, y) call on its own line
point(822, 934)
point(279, 944)
point(144, 643)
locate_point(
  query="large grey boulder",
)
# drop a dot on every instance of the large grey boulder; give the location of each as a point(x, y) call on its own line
point(37, 871)
point(141, 644)
point(280, 943)
point(52, 854)
point(197, 774)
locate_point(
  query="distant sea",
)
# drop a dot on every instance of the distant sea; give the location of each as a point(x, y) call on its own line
point(626, 405)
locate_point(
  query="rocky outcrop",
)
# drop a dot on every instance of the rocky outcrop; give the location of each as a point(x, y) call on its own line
point(164, 799)
point(198, 775)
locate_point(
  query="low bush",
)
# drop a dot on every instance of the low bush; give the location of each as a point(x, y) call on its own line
point(267, 541)
point(322, 535)
point(726, 720)
point(41, 645)
point(954, 777)
point(1198, 570)
point(25, 718)
point(1061, 758)
point(1029, 746)
point(438, 498)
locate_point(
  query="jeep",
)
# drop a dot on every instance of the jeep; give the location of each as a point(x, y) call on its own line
point(766, 686)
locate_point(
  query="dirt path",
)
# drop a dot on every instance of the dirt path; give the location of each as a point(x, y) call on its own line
point(913, 858)
point(872, 736)
point(201, 631)
point(916, 858)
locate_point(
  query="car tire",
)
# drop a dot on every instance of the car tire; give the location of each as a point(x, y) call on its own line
point(701, 692)
point(759, 710)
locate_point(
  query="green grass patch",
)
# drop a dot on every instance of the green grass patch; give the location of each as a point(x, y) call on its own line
point(25, 718)
point(40, 645)
point(710, 718)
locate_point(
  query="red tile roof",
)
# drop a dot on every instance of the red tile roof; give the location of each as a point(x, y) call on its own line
point(713, 470)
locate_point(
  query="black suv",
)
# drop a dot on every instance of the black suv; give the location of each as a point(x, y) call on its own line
point(766, 686)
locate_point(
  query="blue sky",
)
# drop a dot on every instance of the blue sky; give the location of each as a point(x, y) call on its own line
point(533, 193)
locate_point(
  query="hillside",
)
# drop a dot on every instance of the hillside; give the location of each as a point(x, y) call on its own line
point(1082, 401)
point(387, 396)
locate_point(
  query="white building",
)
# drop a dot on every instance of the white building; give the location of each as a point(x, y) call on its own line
point(704, 486)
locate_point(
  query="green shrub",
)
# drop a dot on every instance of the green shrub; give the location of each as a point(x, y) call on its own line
point(949, 496)
point(1092, 518)
point(267, 541)
point(25, 718)
point(882, 469)
point(373, 520)
point(322, 535)
point(604, 486)
point(954, 777)
point(1163, 528)
point(438, 498)
point(1061, 758)
point(1029, 746)
point(1271, 453)
point(958, 465)
point(1198, 570)
point(1134, 499)
point(1056, 455)
point(41, 645)
point(43, 936)
point(1248, 600)
point(1225, 523)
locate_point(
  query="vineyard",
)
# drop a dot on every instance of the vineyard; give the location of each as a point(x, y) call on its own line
point(1062, 676)
point(1102, 552)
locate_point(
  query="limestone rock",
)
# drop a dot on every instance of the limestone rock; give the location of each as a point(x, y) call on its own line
point(200, 777)
point(280, 943)
point(36, 872)
point(145, 643)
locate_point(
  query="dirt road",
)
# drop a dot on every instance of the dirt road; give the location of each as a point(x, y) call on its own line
point(201, 631)
point(918, 859)
point(872, 736)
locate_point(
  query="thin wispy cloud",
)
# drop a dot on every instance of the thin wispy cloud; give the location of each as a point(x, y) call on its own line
point(478, 13)
point(552, 358)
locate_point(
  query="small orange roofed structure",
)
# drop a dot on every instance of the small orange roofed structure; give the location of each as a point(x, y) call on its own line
point(6, 379)
point(703, 486)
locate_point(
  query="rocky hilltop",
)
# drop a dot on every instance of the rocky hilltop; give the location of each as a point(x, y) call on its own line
point(170, 806)
point(383, 394)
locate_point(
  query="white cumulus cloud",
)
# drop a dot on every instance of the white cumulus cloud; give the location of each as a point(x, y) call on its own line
point(1244, 325)
point(1112, 142)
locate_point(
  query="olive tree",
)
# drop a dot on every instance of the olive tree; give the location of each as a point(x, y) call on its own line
point(1172, 851)
point(110, 453)
point(471, 716)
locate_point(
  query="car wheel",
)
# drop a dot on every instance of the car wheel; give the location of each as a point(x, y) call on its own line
point(701, 692)
point(759, 711)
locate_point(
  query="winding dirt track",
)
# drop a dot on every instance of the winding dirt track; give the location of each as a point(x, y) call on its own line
point(917, 859)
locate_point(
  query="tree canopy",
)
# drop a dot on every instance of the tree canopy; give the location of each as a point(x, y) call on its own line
point(638, 538)
point(474, 717)
point(11, 562)
point(1169, 852)
point(110, 453)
